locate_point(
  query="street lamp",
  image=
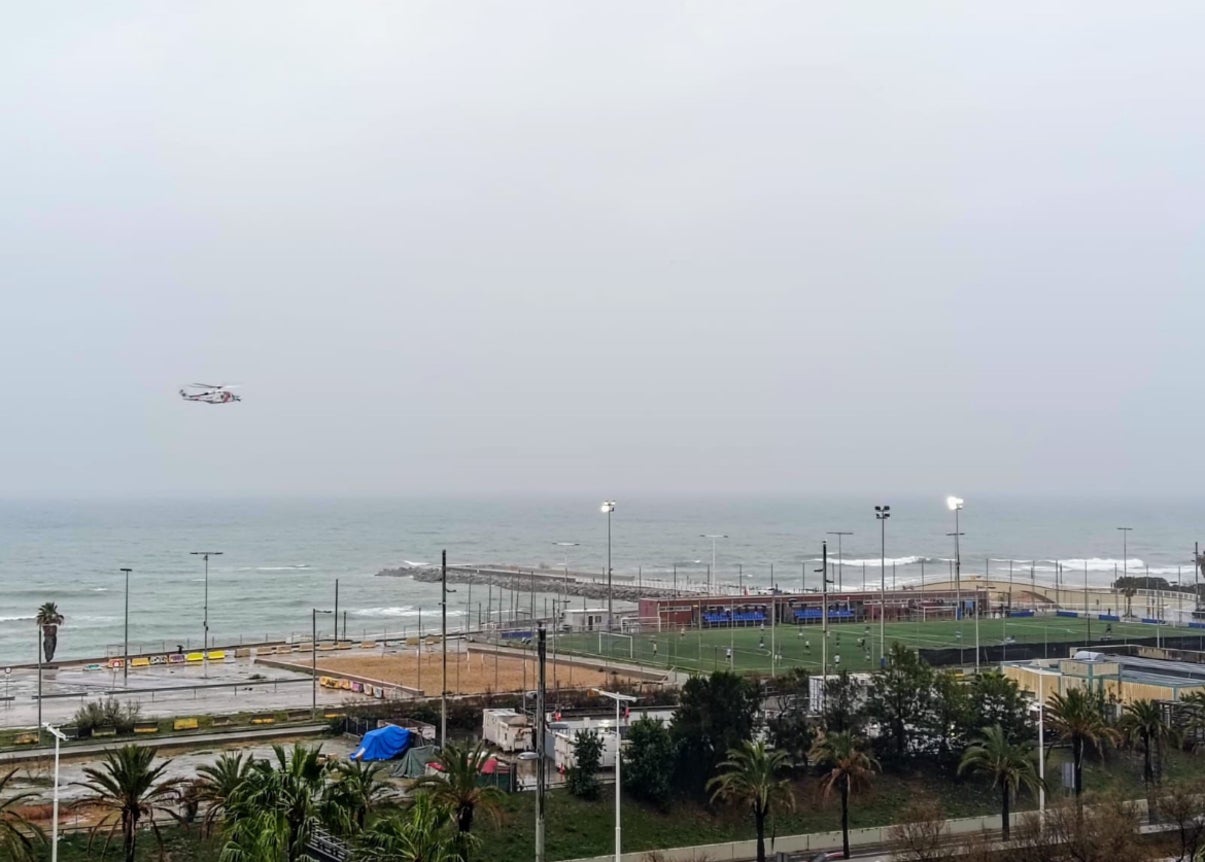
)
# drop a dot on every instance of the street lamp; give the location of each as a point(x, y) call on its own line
point(618, 698)
point(54, 840)
point(954, 504)
point(125, 664)
point(1125, 550)
point(711, 574)
point(608, 508)
point(205, 640)
point(840, 557)
point(882, 513)
point(314, 661)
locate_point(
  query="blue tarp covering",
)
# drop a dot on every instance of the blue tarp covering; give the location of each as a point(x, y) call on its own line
point(384, 743)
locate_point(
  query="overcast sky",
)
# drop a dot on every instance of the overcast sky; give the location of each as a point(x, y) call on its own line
point(599, 247)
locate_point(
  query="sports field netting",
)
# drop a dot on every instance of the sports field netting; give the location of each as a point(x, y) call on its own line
point(749, 649)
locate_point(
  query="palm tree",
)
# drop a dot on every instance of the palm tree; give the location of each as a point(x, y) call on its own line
point(1077, 719)
point(417, 835)
point(49, 618)
point(218, 783)
point(1142, 724)
point(19, 839)
point(750, 776)
point(129, 789)
point(357, 790)
point(457, 788)
point(850, 768)
point(1010, 766)
point(273, 811)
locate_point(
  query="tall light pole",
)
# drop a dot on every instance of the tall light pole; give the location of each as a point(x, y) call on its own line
point(314, 660)
point(443, 627)
point(715, 537)
point(125, 663)
point(54, 839)
point(954, 504)
point(608, 508)
point(618, 698)
point(1125, 551)
point(882, 513)
point(840, 557)
point(205, 638)
point(564, 546)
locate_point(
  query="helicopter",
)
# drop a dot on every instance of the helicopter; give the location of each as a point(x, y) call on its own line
point(209, 393)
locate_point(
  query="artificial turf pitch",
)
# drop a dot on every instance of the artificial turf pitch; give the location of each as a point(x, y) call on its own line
point(800, 645)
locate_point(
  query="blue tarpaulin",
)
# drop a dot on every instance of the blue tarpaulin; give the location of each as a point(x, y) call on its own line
point(384, 743)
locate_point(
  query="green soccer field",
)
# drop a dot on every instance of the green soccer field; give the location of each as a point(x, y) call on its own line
point(801, 646)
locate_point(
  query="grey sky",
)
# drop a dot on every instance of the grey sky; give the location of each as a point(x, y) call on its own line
point(602, 247)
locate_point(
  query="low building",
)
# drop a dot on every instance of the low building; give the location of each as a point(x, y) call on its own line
point(1122, 677)
point(562, 734)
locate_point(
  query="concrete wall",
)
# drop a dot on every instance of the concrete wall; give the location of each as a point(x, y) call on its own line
point(736, 851)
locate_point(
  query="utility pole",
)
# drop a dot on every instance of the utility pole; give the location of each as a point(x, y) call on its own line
point(541, 652)
point(443, 608)
point(205, 555)
point(125, 662)
point(882, 513)
point(840, 556)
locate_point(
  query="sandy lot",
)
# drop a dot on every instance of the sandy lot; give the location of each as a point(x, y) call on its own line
point(468, 673)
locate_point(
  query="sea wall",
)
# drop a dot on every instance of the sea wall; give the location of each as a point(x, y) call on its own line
point(531, 580)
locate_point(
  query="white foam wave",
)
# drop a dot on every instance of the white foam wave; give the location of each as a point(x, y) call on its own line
point(404, 611)
point(873, 563)
point(411, 564)
point(1134, 566)
point(13, 619)
point(99, 589)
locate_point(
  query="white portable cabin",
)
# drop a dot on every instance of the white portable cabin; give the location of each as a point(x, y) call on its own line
point(564, 733)
point(507, 729)
point(584, 619)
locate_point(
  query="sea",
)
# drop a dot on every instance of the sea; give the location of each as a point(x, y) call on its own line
point(280, 558)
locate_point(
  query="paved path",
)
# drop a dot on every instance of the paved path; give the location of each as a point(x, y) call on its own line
point(85, 749)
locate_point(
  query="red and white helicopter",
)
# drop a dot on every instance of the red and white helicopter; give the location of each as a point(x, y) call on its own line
point(209, 393)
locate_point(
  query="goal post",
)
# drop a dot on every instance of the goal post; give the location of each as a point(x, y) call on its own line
point(611, 639)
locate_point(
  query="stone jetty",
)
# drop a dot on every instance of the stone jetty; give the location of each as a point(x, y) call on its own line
point(527, 580)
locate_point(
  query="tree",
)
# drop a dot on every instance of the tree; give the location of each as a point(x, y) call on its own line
point(996, 699)
point(849, 769)
point(1106, 831)
point(458, 789)
point(1142, 725)
point(1077, 718)
point(1180, 805)
point(790, 730)
point(49, 619)
point(648, 761)
point(218, 783)
point(418, 835)
point(20, 840)
point(947, 725)
point(273, 812)
point(714, 714)
point(843, 710)
point(128, 789)
point(750, 776)
point(587, 756)
point(921, 834)
point(900, 696)
point(1010, 766)
point(358, 789)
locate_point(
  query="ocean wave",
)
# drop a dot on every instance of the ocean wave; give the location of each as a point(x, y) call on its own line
point(875, 562)
point(404, 611)
point(1134, 565)
point(14, 619)
point(273, 568)
point(98, 589)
